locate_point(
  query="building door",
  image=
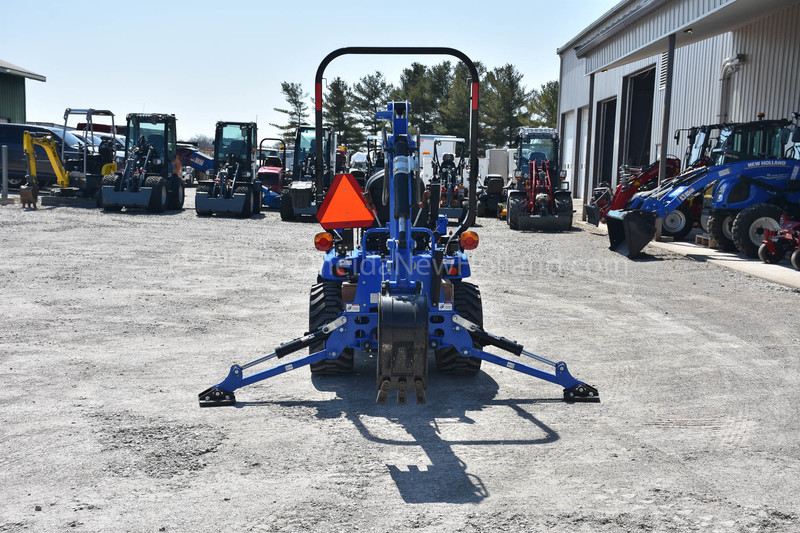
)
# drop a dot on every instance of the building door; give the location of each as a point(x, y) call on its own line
point(638, 118)
point(583, 143)
point(568, 146)
point(606, 125)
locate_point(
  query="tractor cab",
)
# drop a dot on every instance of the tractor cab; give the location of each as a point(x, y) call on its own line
point(305, 195)
point(305, 153)
point(233, 188)
point(762, 139)
point(535, 144)
point(151, 174)
point(153, 134)
point(233, 149)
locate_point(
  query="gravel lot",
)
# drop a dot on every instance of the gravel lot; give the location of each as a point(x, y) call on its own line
point(113, 323)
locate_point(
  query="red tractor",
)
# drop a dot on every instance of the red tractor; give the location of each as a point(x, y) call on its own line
point(778, 243)
point(629, 184)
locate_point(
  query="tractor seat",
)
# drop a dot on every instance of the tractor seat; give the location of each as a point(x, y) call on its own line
point(375, 188)
point(494, 184)
point(156, 141)
point(273, 161)
point(448, 160)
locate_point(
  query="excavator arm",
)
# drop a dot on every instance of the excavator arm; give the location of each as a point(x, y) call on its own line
point(49, 146)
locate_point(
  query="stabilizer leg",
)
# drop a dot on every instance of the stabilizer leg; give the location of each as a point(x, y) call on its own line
point(574, 390)
point(223, 393)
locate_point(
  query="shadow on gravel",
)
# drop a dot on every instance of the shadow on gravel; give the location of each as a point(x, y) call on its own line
point(451, 400)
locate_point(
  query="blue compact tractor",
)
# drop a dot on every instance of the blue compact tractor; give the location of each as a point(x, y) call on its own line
point(392, 283)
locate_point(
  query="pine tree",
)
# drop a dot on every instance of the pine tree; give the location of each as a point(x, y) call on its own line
point(297, 113)
point(506, 98)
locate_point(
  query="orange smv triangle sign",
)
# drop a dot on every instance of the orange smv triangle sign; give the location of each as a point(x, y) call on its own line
point(344, 205)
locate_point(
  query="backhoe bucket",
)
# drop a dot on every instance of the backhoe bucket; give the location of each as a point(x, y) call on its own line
point(630, 231)
point(592, 214)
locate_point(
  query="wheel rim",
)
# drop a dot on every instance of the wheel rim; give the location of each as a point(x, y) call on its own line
point(675, 221)
point(727, 227)
point(757, 228)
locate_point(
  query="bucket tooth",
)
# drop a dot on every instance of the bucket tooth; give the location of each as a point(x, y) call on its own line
point(402, 397)
point(419, 387)
point(383, 392)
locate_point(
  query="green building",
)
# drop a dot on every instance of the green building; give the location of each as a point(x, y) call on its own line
point(12, 91)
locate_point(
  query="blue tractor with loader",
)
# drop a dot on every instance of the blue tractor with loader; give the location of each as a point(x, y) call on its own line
point(232, 187)
point(752, 183)
point(391, 288)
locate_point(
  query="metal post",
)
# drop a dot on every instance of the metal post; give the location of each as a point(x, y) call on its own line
point(587, 178)
point(662, 167)
point(4, 163)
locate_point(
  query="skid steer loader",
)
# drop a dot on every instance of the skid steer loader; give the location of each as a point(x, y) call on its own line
point(231, 188)
point(151, 175)
point(395, 290)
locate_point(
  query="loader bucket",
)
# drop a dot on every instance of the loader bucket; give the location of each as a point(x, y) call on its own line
point(592, 214)
point(544, 223)
point(630, 231)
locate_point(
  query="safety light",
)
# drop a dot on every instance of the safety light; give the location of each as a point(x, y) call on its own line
point(469, 240)
point(323, 241)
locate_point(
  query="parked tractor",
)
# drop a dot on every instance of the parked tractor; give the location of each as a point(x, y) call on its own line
point(753, 185)
point(305, 194)
point(231, 188)
point(536, 200)
point(778, 243)
point(449, 177)
point(85, 168)
point(397, 290)
point(151, 177)
point(272, 174)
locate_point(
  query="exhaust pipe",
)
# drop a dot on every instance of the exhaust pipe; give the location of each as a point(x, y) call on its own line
point(630, 231)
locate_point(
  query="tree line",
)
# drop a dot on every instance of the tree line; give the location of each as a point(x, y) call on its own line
point(439, 97)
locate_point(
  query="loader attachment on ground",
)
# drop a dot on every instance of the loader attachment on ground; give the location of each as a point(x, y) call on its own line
point(593, 215)
point(630, 231)
point(544, 222)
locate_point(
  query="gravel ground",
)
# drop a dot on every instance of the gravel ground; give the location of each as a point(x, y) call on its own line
point(113, 323)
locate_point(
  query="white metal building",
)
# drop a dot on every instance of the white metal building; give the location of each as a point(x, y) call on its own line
point(731, 60)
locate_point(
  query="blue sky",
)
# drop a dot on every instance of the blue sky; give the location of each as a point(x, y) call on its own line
point(207, 61)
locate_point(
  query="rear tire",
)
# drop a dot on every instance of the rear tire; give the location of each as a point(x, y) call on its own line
point(796, 259)
point(679, 223)
point(719, 229)
point(158, 194)
point(467, 304)
point(481, 209)
point(749, 225)
point(177, 196)
point(325, 304)
point(287, 209)
point(516, 209)
point(258, 198)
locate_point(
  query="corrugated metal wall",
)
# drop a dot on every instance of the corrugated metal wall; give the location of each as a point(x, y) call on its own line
point(768, 82)
point(12, 98)
point(651, 28)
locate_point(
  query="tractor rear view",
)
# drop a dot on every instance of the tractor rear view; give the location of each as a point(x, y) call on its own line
point(232, 189)
point(305, 194)
point(151, 173)
point(272, 173)
point(538, 202)
point(395, 289)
